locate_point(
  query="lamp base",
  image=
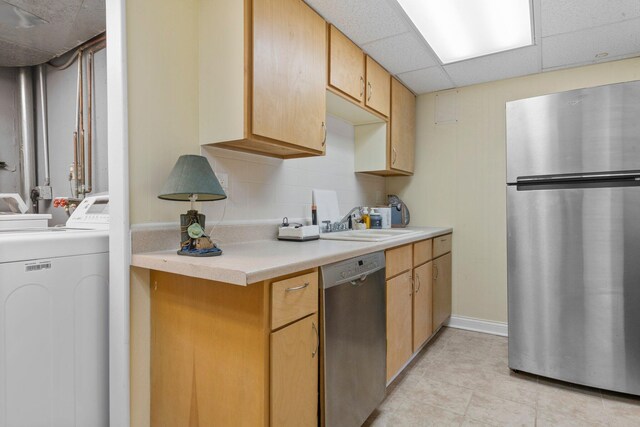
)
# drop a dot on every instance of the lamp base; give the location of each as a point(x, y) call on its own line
point(192, 246)
point(200, 252)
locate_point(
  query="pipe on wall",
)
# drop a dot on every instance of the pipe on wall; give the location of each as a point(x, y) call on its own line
point(42, 94)
point(27, 137)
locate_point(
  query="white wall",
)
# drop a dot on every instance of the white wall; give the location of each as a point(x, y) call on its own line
point(267, 188)
point(461, 172)
point(9, 149)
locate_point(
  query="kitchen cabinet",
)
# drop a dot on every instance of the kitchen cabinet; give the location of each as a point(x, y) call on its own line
point(403, 128)
point(294, 374)
point(441, 290)
point(422, 304)
point(263, 74)
point(378, 88)
point(224, 354)
point(346, 66)
point(399, 318)
point(389, 149)
point(418, 297)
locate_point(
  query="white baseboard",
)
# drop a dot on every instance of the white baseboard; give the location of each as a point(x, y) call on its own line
point(478, 325)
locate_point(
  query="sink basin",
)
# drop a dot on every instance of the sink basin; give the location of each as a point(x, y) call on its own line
point(371, 235)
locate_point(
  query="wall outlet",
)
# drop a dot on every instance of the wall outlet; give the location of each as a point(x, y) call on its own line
point(223, 178)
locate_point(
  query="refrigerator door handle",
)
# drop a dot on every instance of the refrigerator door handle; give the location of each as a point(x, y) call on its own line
point(579, 177)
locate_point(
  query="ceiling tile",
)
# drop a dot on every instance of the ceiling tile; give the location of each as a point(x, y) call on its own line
point(363, 21)
point(402, 53)
point(581, 47)
point(426, 80)
point(572, 15)
point(503, 65)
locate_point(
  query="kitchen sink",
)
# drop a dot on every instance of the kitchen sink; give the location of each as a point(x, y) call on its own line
point(370, 235)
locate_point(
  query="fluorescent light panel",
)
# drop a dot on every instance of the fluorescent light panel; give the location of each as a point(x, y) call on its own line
point(463, 29)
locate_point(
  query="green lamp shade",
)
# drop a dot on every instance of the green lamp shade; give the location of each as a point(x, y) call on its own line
point(192, 175)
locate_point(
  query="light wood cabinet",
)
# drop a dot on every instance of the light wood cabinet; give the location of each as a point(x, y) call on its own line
point(346, 66)
point(294, 374)
point(293, 298)
point(217, 361)
point(403, 128)
point(378, 88)
point(422, 304)
point(399, 336)
point(441, 290)
point(418, 297)
point(263, 74)
point(398, 260)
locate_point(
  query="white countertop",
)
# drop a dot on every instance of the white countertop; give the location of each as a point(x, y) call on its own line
point(251, 262)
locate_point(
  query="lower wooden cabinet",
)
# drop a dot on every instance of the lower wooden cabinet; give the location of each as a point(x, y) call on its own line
point(422, 304)
point(294, 374)
point(217, 359)
point(399, 320)
point(441, 290)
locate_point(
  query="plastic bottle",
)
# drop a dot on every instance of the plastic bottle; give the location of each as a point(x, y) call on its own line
point(365, 218)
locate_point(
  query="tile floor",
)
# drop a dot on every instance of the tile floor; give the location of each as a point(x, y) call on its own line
point(461, 379)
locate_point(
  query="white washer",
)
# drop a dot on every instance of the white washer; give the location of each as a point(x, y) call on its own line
point(54, 322)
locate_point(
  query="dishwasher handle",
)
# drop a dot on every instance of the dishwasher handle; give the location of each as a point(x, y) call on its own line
point(361, 279)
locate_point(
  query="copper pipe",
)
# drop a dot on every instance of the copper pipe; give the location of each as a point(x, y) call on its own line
point(79, 133)
point(90, 82)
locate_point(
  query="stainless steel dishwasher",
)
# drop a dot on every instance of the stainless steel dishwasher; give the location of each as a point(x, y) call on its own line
point(354, 339)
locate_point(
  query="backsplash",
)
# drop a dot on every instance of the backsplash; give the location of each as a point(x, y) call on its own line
point(264, 188)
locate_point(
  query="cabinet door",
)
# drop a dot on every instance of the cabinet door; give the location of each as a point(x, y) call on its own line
point(399, 335)
point(403, 127)
point(441, 290)
point(346, 65)
point(378, 88)
point(294, 374)
point(289, 73)
point(422, 304)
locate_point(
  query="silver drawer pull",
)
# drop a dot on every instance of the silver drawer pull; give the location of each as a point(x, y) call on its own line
point(298, 288)
point(313, 325)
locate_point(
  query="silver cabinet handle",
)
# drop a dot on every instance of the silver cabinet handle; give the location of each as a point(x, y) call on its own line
point(361, 86)
point(324, 138)
point(315, 329)
point(297, 288)
point(370, 91)
point(394, 156)
point(418, 280)
point(435, 270)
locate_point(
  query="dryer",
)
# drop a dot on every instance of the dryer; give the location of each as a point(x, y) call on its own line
point(54, 331)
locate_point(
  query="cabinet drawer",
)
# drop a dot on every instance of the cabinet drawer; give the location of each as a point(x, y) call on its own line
point(441, 245)
point(399, 260)
point(294, 298)
point(422, 252)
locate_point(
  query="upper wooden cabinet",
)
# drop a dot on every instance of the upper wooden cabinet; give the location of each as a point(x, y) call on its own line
point(403, 128)
point(378, 88)
point(263, 66)
point(346, 66)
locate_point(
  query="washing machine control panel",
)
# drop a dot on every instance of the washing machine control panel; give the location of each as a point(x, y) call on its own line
point(92, 213)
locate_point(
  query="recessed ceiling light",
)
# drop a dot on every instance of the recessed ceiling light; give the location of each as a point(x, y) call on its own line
point(602, 54)
point(463, 29)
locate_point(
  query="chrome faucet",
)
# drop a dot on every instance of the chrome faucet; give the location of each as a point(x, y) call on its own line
point(345, 219)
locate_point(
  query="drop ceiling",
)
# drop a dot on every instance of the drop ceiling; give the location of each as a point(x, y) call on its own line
point(568, 33)
point(52, 28)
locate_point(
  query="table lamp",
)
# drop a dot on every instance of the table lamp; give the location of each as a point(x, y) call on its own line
point(191, 180)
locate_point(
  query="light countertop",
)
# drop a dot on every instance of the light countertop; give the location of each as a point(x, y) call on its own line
point(251, 262)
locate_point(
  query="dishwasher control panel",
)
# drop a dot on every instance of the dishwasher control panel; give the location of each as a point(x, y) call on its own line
point(352, 269)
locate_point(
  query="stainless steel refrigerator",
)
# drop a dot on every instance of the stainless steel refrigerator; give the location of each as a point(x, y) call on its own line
point(573, 236)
